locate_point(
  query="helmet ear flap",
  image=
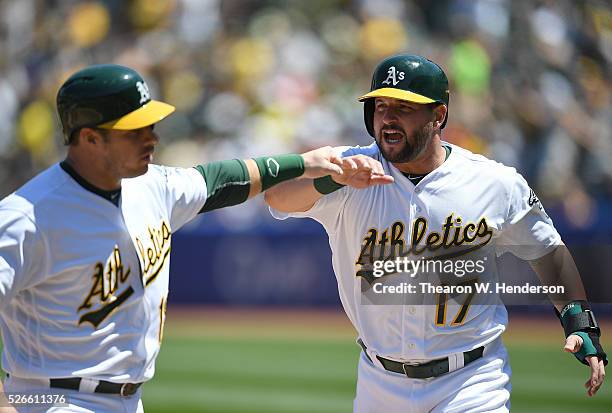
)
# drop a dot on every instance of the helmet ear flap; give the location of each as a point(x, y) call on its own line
point(368, 116)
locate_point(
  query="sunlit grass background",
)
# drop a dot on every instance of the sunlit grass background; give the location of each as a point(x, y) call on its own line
point(305, 362)
point(230, 361)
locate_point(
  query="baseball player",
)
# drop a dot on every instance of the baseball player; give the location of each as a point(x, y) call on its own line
point(85, 245)
point(445, 203)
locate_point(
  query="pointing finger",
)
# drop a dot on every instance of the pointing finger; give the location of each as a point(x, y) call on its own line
point(381, 179)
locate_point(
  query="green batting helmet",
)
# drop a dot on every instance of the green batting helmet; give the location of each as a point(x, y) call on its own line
point(108, 97)
point(407, 77)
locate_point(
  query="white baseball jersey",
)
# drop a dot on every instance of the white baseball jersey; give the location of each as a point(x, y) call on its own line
point(83, 282)
point(469, 204)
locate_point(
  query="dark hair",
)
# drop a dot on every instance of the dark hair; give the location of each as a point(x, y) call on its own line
point(72, 139)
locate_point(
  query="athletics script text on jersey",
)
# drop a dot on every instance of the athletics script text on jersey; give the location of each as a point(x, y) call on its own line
point(109, 278)
point(389, 243)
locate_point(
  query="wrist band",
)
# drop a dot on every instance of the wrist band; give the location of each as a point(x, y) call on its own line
point(276, 169)
point(577, 318)
point(326, 185)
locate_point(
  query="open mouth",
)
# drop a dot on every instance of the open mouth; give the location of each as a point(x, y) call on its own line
point(392, 136)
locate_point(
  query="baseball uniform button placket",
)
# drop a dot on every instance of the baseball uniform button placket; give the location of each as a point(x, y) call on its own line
point(134, 250)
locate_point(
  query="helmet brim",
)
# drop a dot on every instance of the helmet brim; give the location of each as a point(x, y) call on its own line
point(148, 114)
point(388, 92)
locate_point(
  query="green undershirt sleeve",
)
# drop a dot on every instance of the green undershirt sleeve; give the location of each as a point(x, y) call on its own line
point(227, 183)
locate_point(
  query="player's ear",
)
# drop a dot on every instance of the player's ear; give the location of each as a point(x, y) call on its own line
point(439, 112)
point(91, 136)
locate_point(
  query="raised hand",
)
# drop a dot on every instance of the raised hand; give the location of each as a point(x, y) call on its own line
point(322, 162)
point(361, 171)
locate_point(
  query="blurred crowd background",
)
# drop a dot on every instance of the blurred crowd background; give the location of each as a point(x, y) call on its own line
point(530, 80)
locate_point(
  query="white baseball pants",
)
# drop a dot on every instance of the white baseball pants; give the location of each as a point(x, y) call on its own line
point(481, 386)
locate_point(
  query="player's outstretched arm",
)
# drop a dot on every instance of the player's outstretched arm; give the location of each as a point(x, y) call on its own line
point(581, 330)
point(298, 195)
point(558, 268)
point(234, 181)
point(358, 171)
point(266, 172)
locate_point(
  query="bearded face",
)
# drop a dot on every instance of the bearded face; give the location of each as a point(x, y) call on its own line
point(402, 129)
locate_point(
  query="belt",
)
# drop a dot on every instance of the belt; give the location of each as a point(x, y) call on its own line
point(101, 386)
point(427, 370)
